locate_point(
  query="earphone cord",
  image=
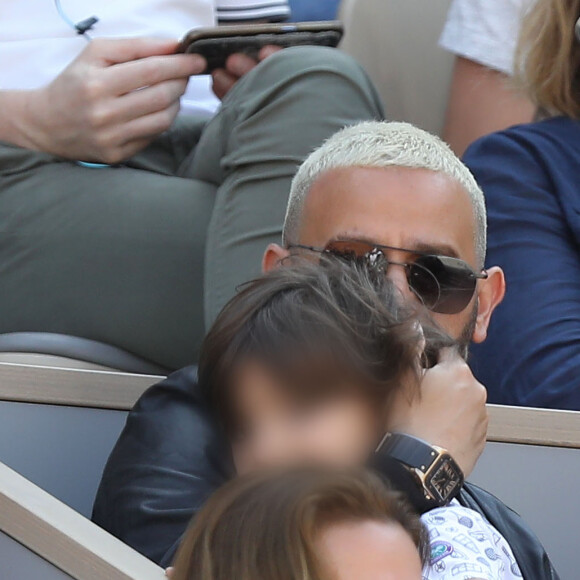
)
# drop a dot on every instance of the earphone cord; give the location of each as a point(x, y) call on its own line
point(80, 28)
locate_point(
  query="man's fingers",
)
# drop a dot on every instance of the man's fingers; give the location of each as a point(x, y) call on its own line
point(267, 51)
point(107, 51)
point(240, 64)
point(151, 125)
point(131, 76)
point(223, 82)
point(147, 101)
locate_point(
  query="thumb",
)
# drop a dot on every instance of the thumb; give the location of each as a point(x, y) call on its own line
point(108, 51)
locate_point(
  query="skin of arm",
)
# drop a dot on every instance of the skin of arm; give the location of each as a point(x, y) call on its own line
point(481, 102)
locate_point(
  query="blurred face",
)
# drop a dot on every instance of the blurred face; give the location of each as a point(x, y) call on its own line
point(414, 209)
point(369, 550)
point(277, 431)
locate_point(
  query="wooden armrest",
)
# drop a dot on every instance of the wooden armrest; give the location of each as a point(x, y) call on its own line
point(63, 537)
point(547, 427)
point(74, 387)
point(113, 390)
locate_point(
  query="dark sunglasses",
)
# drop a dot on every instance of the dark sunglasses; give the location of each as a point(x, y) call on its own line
point(443, 284)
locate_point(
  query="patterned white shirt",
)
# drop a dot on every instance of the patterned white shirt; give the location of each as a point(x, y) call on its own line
point(464, 546)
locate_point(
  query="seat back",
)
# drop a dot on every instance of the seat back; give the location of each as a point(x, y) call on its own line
point(58, 426)
point(397, 43)
point(50, 349)
point(532, 463)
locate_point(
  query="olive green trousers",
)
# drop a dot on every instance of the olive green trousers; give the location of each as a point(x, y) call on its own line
point(143, 256)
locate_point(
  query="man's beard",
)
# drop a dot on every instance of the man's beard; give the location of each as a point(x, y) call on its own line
point(466, 335)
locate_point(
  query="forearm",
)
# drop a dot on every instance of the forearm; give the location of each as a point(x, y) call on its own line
point(481, 102)
point(17, 119)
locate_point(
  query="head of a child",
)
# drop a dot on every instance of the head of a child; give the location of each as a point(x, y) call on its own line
point(303, 364)
point(313, 525)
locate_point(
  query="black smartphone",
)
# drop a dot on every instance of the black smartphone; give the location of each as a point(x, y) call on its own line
point(217, 44)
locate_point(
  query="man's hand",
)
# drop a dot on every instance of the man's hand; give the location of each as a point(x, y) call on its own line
point(237, 66)
point(111, 101)
point(450, 411)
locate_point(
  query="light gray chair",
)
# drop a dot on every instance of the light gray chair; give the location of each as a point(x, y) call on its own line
point(60, 350)
point(396, 42)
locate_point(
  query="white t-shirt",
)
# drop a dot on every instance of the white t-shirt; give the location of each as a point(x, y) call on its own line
point(36, 44)
point(465, 546)
point(485, 31)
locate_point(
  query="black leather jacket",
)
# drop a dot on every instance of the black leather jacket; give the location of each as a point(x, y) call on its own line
point(169, 459)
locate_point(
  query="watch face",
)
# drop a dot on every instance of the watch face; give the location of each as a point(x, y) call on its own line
point(444, 479)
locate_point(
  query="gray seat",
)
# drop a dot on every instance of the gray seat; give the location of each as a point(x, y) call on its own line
point(48, 349)
point(397, 43)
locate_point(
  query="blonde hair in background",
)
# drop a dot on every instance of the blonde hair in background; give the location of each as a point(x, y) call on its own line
point(266, 526)
point(382, 145)
point(548, 57)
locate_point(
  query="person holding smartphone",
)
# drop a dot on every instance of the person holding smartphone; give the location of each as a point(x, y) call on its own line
point(141, 253)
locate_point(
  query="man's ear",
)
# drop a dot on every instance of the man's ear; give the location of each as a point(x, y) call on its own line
point(273, 257)
point(491, 293)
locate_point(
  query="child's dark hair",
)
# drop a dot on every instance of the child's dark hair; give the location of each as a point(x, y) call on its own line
point(317, 327)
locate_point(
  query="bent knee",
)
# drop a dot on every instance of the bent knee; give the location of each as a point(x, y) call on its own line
point(301, 58)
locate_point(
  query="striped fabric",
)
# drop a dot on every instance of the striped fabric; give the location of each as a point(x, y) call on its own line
point(246, 10)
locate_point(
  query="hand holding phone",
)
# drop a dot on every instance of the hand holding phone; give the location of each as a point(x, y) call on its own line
point(216, 45)
point(237, 66)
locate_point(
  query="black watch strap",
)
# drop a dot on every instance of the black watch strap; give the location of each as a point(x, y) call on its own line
point(401, 457)
point(404, 481)
point(411, 451)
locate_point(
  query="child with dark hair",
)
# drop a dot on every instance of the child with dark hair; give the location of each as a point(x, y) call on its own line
point(308, 366)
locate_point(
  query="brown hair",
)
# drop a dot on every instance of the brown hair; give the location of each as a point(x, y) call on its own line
point(316, 326)
point(548, 57)
point(266, 527)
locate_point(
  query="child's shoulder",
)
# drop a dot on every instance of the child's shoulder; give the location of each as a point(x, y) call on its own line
point(465, 545)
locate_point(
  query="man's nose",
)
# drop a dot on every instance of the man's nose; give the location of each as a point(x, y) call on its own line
point(398, 275)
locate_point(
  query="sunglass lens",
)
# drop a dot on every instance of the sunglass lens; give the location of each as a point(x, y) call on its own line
point(424, 284)
point(456, 281)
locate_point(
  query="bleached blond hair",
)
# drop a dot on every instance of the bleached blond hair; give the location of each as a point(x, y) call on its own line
point(382, 145)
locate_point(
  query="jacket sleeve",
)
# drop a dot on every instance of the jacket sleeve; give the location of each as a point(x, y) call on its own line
point(532, 354)
point(531, 557)
point(167, 462)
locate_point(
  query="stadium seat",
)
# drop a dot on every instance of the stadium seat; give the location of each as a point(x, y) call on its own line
point(396, 42)
point(59, 350)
